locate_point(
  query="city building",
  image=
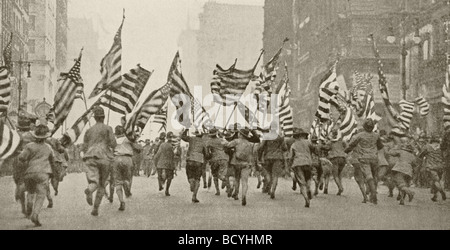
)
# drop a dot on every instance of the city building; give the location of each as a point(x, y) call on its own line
point(188, 44)
point(62, 27)
point(42, 51)
point(15, 19)
point(228, 32)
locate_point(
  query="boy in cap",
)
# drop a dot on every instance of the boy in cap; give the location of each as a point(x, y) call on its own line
point(219, 159)
point(365, 146)
point(164, 161)
point(301, 162)
point(337, 157)
point(403, 169)
point(99, 142)
point(39, 159)
point(434, 164)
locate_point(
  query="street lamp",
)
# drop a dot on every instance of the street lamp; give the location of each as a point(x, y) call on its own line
point(404, 52)
point(21, 63)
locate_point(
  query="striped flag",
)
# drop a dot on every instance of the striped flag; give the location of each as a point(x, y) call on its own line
point(228, 85)
point(284, 110)
point(424, 106)
point(349, 125)
point(159, 118)
point(123, 99)
point(179, 87)
point(407, 113)
point(9, 140)
point(72, 135)
point(5, 90)
point(270, 71)
point(65, 97)
point(7, 54)
point(151, 106)
point(446, 90)
point(328, 88)
point(111, 66)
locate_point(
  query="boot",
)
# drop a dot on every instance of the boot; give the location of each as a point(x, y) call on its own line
point(209, 182)
point(244, 201)
point(216, 185)
point(444, 196)
point(50, 204)
point(168, 187)
point(373, 191)
point(122, 206)
point(196, 188)
point(35, 220)
point(89, 197)
point(434, 198)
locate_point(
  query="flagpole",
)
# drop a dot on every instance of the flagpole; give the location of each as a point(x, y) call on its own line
point(109, 106)
point(229, 119)
point(85, 105)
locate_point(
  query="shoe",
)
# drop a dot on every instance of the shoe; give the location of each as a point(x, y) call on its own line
point(259, 185)
point(167, 194)
point(128, 195)
point(50, 204)
point(195, 200)
point(94, 212)
point(321, 186)
point(340, 192)
point(399, 197)
point(244, 201)
point(444, 196)
point(88, 197)
point(122, 206)
point(411, 197)
point(56, 192)
point(294, 188)
point(161, 189)
point(310, 195)
point(218, 193)
point(224, 185)
point(235, 197)
point(272, 196)
point(326, 191)
point(434, 199)
point(35, 220)
point(402, 203)
point(111, 200)
point(307, 205)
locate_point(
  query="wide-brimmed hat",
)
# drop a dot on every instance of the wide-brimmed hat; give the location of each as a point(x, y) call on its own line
point(162, 136)
point(213, 132)
point(245, 132)
point(41, 132)
point(300, 132)
point(99, 112)
point(170, 135)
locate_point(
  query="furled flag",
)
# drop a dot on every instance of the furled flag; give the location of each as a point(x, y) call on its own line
point(179, 87)
point(328, 88)
point(124, 98)
point(7, 54)
point(5, 90)
point(111, 66)
point(284, 109)
point(228, 85)
point(9, 139)
point(65, 97)
point(159, 118)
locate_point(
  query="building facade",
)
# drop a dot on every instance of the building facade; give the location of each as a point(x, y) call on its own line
point(42, 51)
point(15, 20)
point(188, 44)
point(62, 27)
point(228, 32)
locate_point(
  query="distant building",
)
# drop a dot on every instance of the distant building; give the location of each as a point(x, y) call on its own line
point(62, 27)
point(15, 19)
point(42, 44)
point(228, 32)
point(188, 44)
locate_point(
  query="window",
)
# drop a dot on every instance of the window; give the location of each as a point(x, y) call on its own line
point(32, 46)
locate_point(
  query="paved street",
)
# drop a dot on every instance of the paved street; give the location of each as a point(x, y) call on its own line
point(148, 209)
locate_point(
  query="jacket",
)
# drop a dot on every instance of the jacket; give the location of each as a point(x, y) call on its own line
point(244, 148)
point(38, 157)
point(336, 149)
point(164, 159)
point(301, 152)
point(217, 150)
point(196, 150)
point(434, 159)
point(406, 161)
point(365, 145)
point(99, 142)
point(273, 150)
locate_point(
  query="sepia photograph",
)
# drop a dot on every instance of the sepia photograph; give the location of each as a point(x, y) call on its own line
point(230, 115)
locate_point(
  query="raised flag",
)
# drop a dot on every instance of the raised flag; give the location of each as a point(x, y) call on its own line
point(284, 109)
point(159, 118)
point(328, 88)
point(124, 98)
point(7, 54)
point(9, 139)
point(5, 90)
point(70, 83)
point(111, 66)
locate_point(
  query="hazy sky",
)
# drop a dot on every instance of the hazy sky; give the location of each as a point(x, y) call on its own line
point(150, 33)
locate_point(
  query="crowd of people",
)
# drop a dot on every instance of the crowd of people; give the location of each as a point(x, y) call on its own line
point(111, 158)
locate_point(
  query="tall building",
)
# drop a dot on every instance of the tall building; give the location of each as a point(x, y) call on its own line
point(228, 32)
point(42, 46)
point(62, 27)
point(187, 41)
point(325, 28)
point(15, 19)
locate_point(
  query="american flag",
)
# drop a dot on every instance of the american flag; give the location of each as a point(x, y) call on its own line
point(328, 88)
point(5, 90)
point(284, 110)
point(65, 97)
point(179, 87)
point(123, 99)
point(349, 125)
point(406, 115)
point(446, 88)
point(9, 139)
point(424, 106)
point(151, 106)
point(72, 135)
point(160, 118)
point(7, 54)
point(111, 66)
point(228, 85)
point(270, 72)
